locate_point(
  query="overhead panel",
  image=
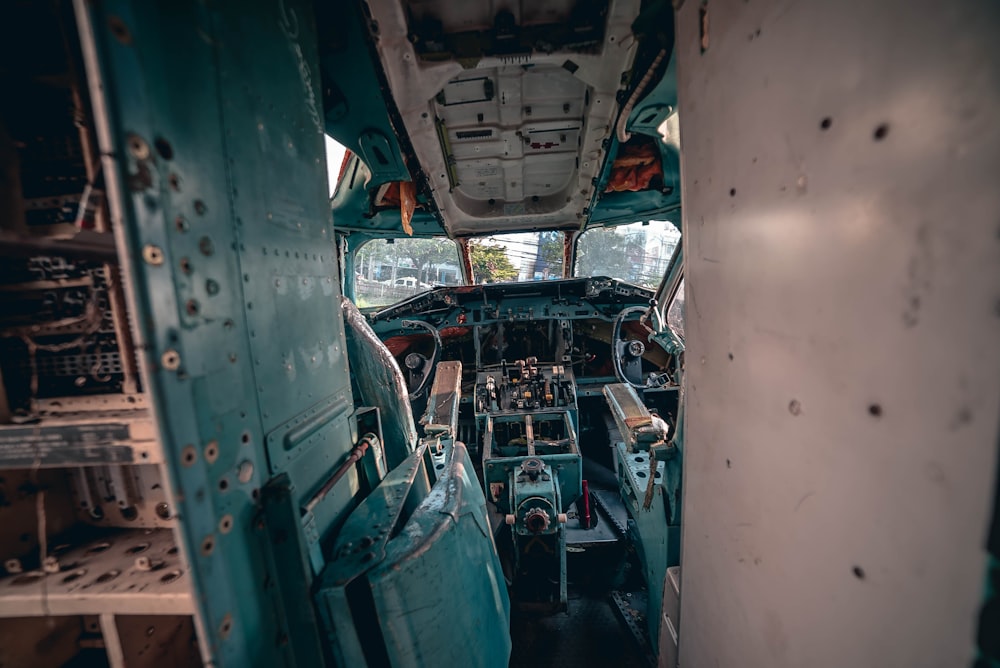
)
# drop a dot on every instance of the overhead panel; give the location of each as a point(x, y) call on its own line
point(507, 107)
point(512, 138)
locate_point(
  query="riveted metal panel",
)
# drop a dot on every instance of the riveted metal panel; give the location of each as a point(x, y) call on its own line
point(842, 252)
point(210, 123)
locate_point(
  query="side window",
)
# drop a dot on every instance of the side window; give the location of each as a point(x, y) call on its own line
point(389, 270)
point(675, 312)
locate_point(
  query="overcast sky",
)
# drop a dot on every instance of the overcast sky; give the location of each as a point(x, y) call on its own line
point(334, 156)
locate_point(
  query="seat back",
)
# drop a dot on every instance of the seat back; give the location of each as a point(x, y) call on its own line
point(379, 382)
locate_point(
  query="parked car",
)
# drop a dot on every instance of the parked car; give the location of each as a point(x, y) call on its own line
point(407, 282)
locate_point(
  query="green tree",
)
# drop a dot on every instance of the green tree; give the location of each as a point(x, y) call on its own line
point(424, 253)
point(490, 263)
point(603, 252)
point(550, 252)
point(371, 255)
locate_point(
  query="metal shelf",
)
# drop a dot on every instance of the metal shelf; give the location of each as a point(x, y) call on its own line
point(126, 573)
point(81, 439)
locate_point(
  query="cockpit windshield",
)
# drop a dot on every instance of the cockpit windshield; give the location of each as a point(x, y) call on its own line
point(389, 270)
point(637, 253)
point(518, 257)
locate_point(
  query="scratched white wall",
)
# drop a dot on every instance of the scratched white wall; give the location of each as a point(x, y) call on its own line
point(841, 175)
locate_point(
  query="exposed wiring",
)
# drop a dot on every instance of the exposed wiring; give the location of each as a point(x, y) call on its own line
point(95, 368)
point(624, 136)
point(91, 318)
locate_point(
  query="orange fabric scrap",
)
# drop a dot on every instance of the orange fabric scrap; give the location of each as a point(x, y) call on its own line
point(407, 203)
point(634, 168)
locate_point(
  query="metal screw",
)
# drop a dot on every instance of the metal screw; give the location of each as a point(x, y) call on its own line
point(152, 254)
point(206, 246)
point(138, 147)
point(171, 360)
point(212, 451)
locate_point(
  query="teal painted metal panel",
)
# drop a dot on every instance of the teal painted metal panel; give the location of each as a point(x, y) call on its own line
point(355, 110)
point(415, 578)
point(357, 114)
point(656, 529)
point(987, 638)
point(287, 551)
point(352, 209)
point(440, 594)
point(216, 143)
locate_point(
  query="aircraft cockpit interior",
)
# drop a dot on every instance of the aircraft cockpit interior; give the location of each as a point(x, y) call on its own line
point(415, 333)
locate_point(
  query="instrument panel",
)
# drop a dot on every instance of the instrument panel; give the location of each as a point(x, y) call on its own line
point(570, 322)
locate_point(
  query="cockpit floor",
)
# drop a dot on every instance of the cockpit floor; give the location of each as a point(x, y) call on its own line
point(590, 635)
